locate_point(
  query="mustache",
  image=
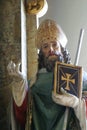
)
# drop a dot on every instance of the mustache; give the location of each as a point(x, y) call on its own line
point(56, 56)
point(50, 63)
point(55, 53)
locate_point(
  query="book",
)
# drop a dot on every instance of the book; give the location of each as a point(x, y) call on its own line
point(69, 77)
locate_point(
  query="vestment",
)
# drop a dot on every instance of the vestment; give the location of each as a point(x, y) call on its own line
point(47, 115)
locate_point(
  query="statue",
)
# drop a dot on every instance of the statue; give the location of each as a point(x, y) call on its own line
point(46, 111)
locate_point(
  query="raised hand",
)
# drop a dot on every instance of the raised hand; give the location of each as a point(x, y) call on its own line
point(14, 71)
point(19, 83)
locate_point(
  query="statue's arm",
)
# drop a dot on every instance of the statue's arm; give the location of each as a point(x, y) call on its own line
point(19, 92)
point(18, 84)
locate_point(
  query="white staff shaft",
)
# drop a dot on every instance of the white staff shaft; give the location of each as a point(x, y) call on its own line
point(79, 47)
point(76, 63)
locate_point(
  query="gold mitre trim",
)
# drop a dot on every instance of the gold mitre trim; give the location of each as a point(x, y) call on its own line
point(50, 31)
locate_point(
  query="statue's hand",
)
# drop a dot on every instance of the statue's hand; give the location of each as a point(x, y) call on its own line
point(19, 83)
point(14, 71)
point(65, 99)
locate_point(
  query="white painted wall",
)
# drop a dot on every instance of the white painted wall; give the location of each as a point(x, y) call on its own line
point(71, 15)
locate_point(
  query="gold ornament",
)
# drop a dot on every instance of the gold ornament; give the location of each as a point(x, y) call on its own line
point(35, 6)
point(49, 31)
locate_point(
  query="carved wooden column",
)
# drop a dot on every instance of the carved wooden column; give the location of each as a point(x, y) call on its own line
point(33, 12)
point(33, 9)
point(31, 48)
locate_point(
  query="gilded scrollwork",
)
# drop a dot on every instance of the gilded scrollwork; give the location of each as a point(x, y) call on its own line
point(35, 6)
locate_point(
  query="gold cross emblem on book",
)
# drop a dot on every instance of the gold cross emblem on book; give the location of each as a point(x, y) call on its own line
point(68, 79)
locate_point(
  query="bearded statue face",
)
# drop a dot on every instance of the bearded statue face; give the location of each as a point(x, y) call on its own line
point(51, 53)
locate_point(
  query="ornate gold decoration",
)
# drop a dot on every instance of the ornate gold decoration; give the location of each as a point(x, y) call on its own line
point(68, 79)
point(48, 31)
point(35, 6)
